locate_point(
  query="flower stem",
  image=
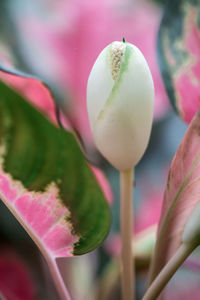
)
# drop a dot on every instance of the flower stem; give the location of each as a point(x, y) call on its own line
point(168, 271)
point(126, 220)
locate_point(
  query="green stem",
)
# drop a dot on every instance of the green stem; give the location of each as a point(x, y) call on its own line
point(126, 220)
point(168, 271)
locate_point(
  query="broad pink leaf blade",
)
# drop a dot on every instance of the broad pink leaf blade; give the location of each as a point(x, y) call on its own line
point(181, 195)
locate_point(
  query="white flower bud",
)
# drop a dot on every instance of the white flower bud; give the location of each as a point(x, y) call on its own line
point(191, 233)
point(120, 99)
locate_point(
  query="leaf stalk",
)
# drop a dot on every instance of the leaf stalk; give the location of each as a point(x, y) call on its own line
point(57, 278)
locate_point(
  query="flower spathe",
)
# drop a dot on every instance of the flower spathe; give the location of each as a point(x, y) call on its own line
point(120, 100)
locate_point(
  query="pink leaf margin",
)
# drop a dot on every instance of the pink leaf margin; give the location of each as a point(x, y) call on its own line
point(41, 214)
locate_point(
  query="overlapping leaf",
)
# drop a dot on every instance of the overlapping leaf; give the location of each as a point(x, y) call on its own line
point(179, 55)
point(181, 195)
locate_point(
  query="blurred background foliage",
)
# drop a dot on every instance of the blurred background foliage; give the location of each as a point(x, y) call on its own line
point(59, 41)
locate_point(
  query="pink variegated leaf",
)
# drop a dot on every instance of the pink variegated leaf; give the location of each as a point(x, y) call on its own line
point(181, 195)
point(46, 182)
point(179, 55)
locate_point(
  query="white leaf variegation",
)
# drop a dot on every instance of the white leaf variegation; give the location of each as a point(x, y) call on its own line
point(120, 100)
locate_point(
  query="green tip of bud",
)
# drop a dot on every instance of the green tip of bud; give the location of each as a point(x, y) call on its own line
point(123, 40)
